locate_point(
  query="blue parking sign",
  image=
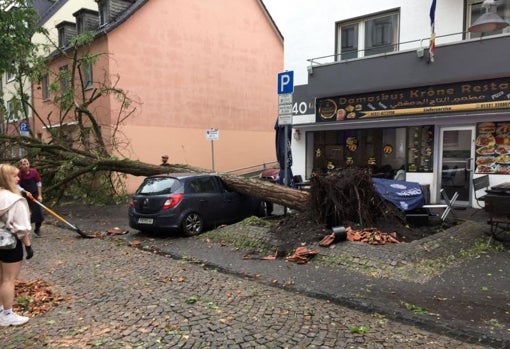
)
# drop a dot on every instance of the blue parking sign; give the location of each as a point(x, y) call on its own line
point(23, 127)
point(286, 82)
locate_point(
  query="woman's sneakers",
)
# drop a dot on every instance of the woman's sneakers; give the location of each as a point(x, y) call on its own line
point(10, 318)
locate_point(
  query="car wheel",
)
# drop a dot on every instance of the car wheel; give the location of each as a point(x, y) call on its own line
point(262, 209)
point(192, 224)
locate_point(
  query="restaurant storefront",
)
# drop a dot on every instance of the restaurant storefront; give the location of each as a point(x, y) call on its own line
point(438, 135)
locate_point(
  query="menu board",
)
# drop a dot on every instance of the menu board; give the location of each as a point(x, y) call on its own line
point(493, 147)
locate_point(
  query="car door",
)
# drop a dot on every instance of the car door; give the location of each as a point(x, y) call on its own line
point(207, 199)
point(232, 205)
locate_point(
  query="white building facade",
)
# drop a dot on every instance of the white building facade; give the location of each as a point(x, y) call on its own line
point(369, 91)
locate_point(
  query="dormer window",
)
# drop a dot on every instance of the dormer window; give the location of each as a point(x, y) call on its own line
point(66, 31)
point(86, 20)
point(109, 10)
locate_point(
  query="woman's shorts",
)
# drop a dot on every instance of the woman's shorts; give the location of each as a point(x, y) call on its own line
point(14, 255)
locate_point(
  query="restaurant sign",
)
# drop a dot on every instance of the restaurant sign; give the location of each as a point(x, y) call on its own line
point(466, 96)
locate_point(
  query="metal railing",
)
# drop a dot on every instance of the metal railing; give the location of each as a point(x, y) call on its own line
point(253, 170)
point(336, 58)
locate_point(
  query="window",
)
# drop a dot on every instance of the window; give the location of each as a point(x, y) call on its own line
point(45, 87)
point(87, 75)
point(385, 150)
point(10, 77)
point(64, 85)
point(349, 41)
point(62, 42)
point(374, 35)
point(80, 26)
point(103, 12)
point(11, 112)
point(203, 185)
point(475, 10)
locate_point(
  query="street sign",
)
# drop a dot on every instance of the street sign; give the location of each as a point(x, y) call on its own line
point(284, 120)
point(285, 109)
point(285, 99)
point(286, 82)
point(24, 129)
point(212, 134)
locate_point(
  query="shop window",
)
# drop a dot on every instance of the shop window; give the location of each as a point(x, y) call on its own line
point(420, 143)
point(474, 10)
point(492, 148)
point(375, 34)
point(382, 150)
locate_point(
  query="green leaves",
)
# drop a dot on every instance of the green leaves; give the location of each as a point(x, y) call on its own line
point(18, 23)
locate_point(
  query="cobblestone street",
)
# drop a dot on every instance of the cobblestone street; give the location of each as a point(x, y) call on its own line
point(123, 297)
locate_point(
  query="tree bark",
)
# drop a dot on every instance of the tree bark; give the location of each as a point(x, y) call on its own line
point(278, 194)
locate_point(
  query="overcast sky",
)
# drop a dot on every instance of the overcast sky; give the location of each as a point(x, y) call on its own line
point(277, 9)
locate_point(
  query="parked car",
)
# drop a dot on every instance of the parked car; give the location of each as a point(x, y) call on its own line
point(188, 202)
point(270, 174)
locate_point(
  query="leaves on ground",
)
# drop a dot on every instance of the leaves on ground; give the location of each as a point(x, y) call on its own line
point(35, 297)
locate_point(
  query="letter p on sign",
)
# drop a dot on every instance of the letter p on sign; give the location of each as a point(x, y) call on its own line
point(286, 82)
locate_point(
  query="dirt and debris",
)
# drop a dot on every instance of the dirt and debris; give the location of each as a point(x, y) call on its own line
point(301, 255)
point(299, 229)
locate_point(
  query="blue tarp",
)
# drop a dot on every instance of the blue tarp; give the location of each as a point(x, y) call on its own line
point(407, 196)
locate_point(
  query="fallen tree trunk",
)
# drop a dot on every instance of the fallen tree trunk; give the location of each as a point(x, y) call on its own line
point(278, 194)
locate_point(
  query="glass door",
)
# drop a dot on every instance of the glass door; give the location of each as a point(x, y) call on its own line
point(457, 162)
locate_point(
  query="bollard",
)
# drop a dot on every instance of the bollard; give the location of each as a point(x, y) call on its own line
point(340, 233)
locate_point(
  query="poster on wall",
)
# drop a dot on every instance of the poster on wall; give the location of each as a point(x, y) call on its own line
point(493, 148)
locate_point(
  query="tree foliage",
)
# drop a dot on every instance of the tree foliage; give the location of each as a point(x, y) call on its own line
point(18, 23)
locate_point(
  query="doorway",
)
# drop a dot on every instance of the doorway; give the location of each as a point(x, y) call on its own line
point(456, 171)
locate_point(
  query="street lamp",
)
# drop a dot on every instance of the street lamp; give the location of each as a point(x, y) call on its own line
point(489, 21)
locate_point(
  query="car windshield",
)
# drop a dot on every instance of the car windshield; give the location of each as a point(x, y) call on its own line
point(158, 185)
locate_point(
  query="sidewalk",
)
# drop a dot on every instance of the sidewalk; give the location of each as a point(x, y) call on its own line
point(468, 300)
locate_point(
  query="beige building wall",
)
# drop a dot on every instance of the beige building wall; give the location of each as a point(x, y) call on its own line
point(65, 13)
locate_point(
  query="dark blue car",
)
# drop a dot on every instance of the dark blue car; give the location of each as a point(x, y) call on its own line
point(188, 202)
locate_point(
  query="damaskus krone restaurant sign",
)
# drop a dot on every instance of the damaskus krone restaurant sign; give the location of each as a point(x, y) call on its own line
point(465, 96)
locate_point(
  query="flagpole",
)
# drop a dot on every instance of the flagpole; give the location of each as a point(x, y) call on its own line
point(432, 45)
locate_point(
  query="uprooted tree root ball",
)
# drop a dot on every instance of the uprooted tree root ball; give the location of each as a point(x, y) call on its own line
point(344, 198)
point(348, 195)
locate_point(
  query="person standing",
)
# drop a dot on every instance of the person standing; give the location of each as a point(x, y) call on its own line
point(30, 181)
point(14, 213)
point(164, 160)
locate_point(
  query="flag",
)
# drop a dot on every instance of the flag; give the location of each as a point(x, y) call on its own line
point(432, 46)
